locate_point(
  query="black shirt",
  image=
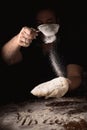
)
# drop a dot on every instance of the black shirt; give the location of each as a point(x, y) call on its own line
point(19, 79)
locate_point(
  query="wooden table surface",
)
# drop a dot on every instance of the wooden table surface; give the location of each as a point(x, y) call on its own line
point(66, 113)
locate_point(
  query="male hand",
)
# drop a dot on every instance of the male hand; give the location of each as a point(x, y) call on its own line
point(26, 36)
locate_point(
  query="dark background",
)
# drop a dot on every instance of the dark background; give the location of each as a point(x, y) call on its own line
point(16, 14)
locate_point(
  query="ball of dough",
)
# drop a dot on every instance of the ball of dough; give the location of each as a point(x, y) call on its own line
point(56, 87)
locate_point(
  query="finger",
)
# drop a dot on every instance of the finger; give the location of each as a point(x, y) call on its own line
point(30, 33)
point(25, 42)
point(30, 30)
point(25, 34)
point(34, 32)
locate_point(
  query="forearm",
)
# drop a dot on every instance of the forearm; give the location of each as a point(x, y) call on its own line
point(74, 74)
point(11, 51)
